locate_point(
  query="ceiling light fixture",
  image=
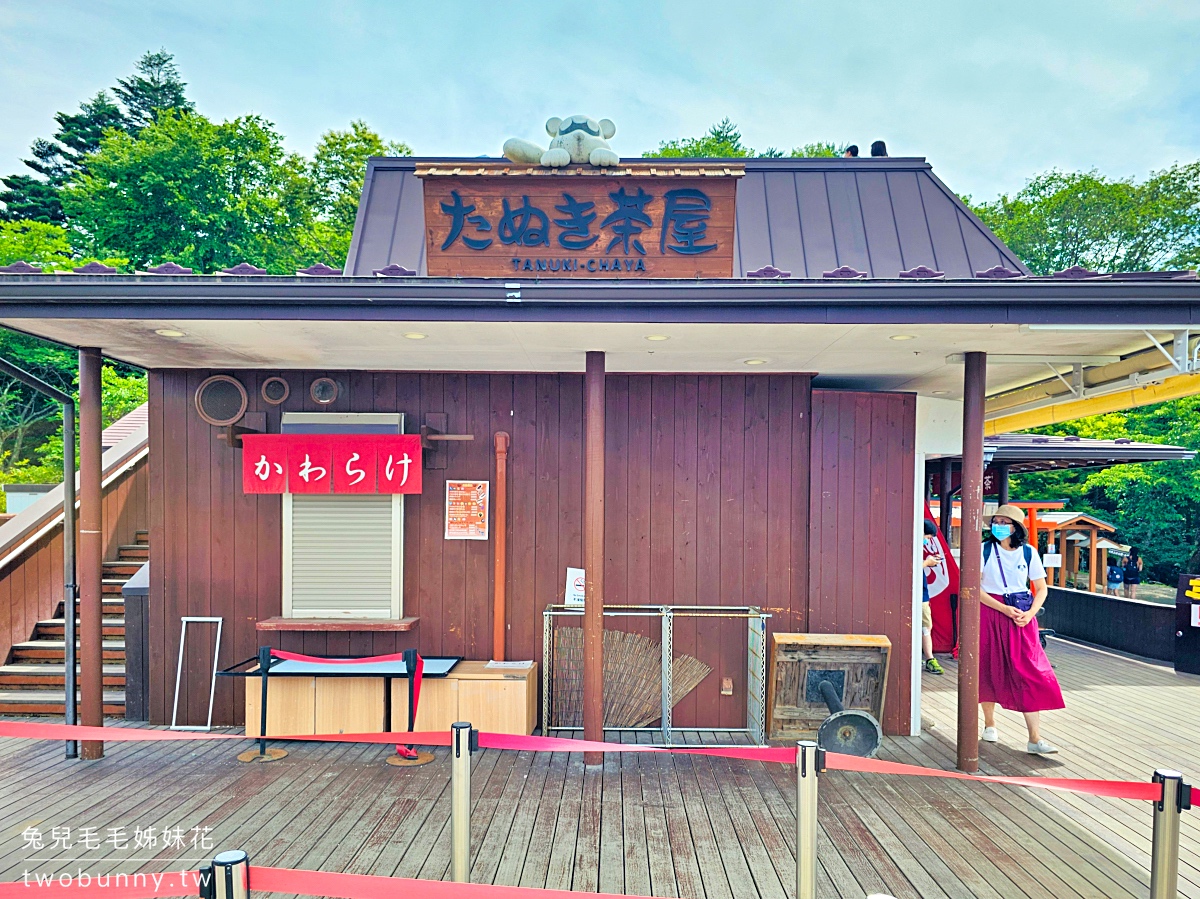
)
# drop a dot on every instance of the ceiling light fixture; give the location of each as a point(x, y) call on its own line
point(904, 337)
point(415, 335)
point(755, 362)
point(941, 393)
point(657, 337)
point(168, 332)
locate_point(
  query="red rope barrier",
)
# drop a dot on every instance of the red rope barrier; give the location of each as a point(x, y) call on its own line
point(1136, 790)
point(365, 660)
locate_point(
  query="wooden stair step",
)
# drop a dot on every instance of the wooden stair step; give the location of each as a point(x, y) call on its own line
point(49, 674)
point(50, 702)
point(133, 552)
point(122, 568)
point(55, 649)
point(56, 627)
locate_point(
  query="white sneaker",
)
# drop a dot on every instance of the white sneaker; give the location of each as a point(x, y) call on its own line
point(991, 736)
point(1041, 747)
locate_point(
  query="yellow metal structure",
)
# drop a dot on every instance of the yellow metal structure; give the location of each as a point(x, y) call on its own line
point(1170, 389)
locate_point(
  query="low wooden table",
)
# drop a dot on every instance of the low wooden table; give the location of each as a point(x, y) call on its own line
point(373, 698)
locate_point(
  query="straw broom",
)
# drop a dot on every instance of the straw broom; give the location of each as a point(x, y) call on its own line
point(632, 678)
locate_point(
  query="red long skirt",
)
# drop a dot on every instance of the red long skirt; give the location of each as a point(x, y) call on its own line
point(1013, 669)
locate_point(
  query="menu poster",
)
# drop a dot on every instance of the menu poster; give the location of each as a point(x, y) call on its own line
point(467, 510)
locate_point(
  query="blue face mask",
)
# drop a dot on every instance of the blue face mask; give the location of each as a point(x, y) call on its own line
point(1002, 531)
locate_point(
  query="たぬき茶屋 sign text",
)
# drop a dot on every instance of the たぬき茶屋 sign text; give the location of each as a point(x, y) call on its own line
point(331, 463)
point(591, 225)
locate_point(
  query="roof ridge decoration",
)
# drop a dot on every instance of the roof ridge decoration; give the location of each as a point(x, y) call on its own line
point(168, 268)
point(1076, 273)
point(768, 271)
point(922, 271)
point(95, 268)
point(998, 272)
point(393, 271)
point(20, 267)
point(844, 272)
point(244, 268)
point(318, 269)
point(655, 167)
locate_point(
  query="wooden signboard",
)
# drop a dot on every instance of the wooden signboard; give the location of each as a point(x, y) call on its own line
point(856, 664)
point(591, 225)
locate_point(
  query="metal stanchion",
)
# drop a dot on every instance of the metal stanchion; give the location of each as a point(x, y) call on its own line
point(464, 740)
point(810, 761)
point(228, 877)
point(1164, 855)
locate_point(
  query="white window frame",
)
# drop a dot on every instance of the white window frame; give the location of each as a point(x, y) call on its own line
point(348, 421)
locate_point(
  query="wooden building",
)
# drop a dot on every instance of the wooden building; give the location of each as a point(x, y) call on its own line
point(773, 350)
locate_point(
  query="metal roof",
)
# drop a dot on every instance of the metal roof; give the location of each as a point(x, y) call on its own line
point(1038, 452)
point(804, 217)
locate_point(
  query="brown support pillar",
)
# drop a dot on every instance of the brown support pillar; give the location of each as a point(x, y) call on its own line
point(593, 554)
point(970, 560)
point(91, 551)
point(946, 501)
point(1092, 561)
point(1003, 488)
point(500, 547)
point(1102, 568)
point(1062, 551)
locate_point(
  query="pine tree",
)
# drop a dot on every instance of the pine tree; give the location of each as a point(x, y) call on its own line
point(156, 86)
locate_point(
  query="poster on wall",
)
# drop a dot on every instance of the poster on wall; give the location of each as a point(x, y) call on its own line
point(467, 510)
point(573, 595)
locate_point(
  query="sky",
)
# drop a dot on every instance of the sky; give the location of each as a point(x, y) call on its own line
point(990, 94)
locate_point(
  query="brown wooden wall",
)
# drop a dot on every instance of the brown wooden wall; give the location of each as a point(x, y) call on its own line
point(706, 503)
point(31, 586)
point(861, 575)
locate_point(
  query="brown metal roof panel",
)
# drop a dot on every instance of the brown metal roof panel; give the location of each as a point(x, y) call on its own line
point(408, 239)
point(848, 233)
point(787, 242)
point(912, 228)
point(378, 222)
point(982, 252)
point(942, 216)
point(816, 227)
point(879, 223)
point(753, 227)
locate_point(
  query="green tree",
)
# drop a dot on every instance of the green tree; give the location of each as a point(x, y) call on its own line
point(724, 141)
point(204, 195)
point(26, 416)
point(1060, 219)
point(155, 87)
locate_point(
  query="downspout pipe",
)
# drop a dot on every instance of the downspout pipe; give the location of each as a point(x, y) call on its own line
point(70, 590)
point(500, 548)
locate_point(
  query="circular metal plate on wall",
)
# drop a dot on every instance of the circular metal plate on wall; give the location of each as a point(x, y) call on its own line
point(275, 390)
point(221, 400)
point(324, 391)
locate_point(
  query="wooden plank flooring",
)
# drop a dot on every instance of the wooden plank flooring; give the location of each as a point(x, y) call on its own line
point(674, 826)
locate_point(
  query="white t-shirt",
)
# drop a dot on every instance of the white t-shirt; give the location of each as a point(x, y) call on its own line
point(1014, 570)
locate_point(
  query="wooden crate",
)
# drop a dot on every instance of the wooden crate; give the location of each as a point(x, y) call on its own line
point(498, 700)
point(856, 663)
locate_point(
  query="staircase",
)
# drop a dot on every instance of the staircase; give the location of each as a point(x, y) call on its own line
point(32, 683)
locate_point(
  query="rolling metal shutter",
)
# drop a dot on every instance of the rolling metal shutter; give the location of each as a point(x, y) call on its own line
point(342, 556)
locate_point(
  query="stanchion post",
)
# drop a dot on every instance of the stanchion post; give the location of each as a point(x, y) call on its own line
point(264, 668)
point(463, 741)
point(810, 760)
point(228, 877)
point(1164, 855)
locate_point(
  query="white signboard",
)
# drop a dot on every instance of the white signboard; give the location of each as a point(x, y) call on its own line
point(1195, 615)
point(573, 595)
point(1052, 560)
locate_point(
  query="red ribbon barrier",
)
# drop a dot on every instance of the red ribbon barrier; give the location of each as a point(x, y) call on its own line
point(783, 754)
point(106, 886)
point(365, 660)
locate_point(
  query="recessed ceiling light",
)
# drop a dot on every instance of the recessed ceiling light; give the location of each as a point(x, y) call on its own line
point(168, 332)
point(941, 393)
point(657, 337)
point(904, 337)
point(755, 362)
point(415, 335)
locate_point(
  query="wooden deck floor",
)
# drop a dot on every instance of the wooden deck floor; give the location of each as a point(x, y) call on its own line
point(649, 825)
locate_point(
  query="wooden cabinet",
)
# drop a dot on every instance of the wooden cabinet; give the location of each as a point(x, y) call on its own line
point(498, 700)
point(856, 665)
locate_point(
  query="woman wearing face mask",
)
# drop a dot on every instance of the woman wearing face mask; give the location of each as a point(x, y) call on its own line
point(1013, 669)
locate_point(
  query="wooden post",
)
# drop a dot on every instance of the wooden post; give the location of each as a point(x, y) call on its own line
point(500, 548)
point(593, 554)
point(1049, 549)
point(91, 551)
point(1062, 551)
point(1003, 491)
point(1103, 581)
point(946, 501)
point(971, 560)
point(1092, 561)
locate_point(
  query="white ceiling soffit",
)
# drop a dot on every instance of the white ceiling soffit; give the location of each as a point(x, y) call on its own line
point(869, 356)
